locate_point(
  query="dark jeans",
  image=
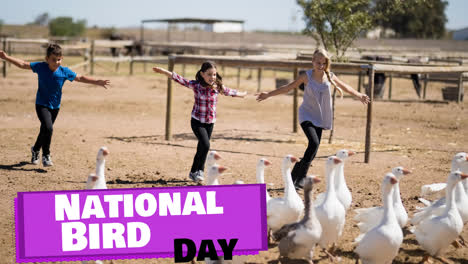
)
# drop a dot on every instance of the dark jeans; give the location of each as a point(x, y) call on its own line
point(203, 133)
point(314, 135)
point(47, 117)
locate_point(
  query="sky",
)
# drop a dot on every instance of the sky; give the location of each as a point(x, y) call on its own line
point(270, 15)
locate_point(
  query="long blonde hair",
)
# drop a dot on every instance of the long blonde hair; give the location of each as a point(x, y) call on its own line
point(324, 54)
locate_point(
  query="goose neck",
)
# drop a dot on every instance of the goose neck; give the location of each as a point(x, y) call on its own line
point(330, 180)
point(100, 165)
point(450, 197)
point(260, 174)
point(396, 194)
point(309, 212)
point(389, 212)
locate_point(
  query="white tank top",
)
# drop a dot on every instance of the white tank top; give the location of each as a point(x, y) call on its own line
point(317, 104)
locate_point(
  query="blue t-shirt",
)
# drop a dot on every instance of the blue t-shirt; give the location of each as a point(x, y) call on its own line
point(49, 93)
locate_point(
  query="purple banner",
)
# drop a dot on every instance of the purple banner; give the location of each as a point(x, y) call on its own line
point(137, 223)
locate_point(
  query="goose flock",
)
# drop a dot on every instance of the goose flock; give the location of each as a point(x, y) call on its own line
point(297, 226)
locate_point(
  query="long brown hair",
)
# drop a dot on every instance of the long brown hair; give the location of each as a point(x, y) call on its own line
point(324, 53)
point(204, 67)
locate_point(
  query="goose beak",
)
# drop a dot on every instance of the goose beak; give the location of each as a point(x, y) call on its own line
point(105, 151)
point(221, 169)
point(93, 177)
point(350, 153)
point(393, 180)
point(217, 156)
point(293, 159)
point(266, 162)
point(405, 171)
point(467, 157)
point(464, 176)
point(337, 160)
point(316, 180)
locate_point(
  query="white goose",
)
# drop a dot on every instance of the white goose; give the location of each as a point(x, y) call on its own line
point(262, 163)
point(98, 180)
point(344, 195)
point(211, 159)
point(459, 162)
point(429, 189)
point(298, 240)
point(381, 243)
point(342, 190)
point(287, 209)
point(331, 213)
point(435, 233)
point(213, 173)
point(369, 218)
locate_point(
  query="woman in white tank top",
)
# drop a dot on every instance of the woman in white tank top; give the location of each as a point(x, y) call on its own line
point(315, 113)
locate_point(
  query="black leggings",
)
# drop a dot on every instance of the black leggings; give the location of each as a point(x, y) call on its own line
point(203, 133)
point(314, 135)
point(47, 117)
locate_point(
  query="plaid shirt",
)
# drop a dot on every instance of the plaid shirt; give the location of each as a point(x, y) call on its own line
point(204, 108)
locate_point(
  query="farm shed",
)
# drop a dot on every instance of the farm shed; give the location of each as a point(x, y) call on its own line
point(209, 25)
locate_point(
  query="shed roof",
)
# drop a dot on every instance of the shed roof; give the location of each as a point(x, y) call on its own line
point(193, 20)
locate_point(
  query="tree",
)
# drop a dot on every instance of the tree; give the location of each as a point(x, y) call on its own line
point(65, 27)
point(42, 19)
point(423, 19)
point(337, 23)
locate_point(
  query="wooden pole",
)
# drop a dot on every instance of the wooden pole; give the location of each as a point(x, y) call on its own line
point(85, 58)
point(460, 88)
point(9, 51)
point(91, 71)
point(131, 66)
point(359, 86)
point(4, 61)
point(296, 73)
point(259, 79)
point(369, 114)
point(238, 77)
point(169, 99)
point(426, 79)
point(390, 86)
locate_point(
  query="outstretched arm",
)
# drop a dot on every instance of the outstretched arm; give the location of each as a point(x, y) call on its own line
point(85, 79)
point(18, 62)
point(162, 71)
point(241, 94)
point(361, 96)
point(283, 89)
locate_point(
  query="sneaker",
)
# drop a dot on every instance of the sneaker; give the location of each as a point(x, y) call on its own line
point(196, 176)
point(47, 161)
point(34, 156)
point(200, 175)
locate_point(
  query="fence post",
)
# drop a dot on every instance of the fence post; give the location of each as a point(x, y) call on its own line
point(369, 113)
point(4, 61)
point(460, 88)
point(390, 86)
point(296, 72)
point(170, 68)
point(91, 61)
point(238, 77)
point(259, 79)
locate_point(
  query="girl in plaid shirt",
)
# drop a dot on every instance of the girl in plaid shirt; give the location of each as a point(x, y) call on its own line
point(206, 87)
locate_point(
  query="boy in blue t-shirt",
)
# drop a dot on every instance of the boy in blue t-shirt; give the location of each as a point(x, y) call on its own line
point(51, 77)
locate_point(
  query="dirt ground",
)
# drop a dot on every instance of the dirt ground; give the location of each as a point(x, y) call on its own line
point(129, 118)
